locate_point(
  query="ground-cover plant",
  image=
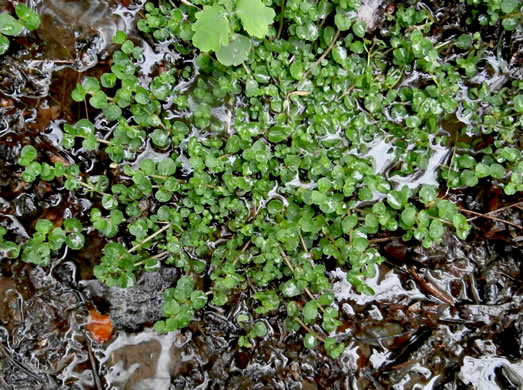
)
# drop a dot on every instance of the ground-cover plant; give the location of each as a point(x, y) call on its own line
point(253, 171)
point(10, 26)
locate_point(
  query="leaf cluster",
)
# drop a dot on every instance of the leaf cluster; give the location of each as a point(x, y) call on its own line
point(260, 179)
point(10, 26)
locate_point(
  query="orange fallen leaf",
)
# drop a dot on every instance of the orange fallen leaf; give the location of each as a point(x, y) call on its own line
point(100, 326)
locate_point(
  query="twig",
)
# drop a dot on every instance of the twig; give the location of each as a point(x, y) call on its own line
point(325, 53)
point(157, 256)
point(383, 239)
point(149, 238)
point(517, 204)
point(479, 215)
point(431, 288)
point(310, 330)
point(241, 251)
point(307, 291)
point(93, 368)
point(186, 3)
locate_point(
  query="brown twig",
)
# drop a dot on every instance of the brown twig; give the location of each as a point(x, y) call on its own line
point(431, 288)
point(93, 368)
point(479, 215)
point(325, 53)
point(299, 321)
point(383, 239)
point(517, 204)
point(241, 251)
point(307, 291)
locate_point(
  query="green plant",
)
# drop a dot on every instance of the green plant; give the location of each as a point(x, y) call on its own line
point(213, 28)
point(268, 176)
point(10, 26)
point(492, 11)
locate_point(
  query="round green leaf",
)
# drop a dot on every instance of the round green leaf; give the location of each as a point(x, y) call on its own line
point(518, 103)
point(408, 216)
point(310, 311)
point(9, 25)
point(359, 29)
point(260, 329)
point(75, 241)
point(98, 100)
point(198, 299)
point(4, 44)
point(236, 51)
point(29, 18)
point(309, 341)
point(436, 229)
point(167, 167)
point(44, 226)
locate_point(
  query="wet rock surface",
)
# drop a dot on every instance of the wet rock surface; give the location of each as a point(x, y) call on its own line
point(446, 318)
point(131, 309)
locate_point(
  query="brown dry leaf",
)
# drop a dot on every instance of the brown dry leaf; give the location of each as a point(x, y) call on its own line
point(100, 326)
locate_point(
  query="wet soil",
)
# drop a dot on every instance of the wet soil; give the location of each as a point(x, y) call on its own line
point(445, 318)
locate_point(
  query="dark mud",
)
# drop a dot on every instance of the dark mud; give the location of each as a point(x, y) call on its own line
point(446, 318)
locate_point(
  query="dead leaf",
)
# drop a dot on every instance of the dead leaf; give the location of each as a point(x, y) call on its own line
point(100, 326)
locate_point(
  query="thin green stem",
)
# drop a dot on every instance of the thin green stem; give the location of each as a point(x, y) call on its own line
point(282, 11)
point(307, 291)
point(90, 187)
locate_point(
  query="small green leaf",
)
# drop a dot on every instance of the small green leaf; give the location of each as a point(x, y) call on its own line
point(408, 216)
point(290, 289)
point(119, 37)
point(27, 155)
point(91, 85)
point(497, 171)
point(108, 80)
point(310, 311)
point(72, 225)
point(359, 29)
point(9, 25)
point(167, 167)
point(278, 134)
point(260, 329)
point(75, 241)
point(44, 226)
point(198, 299)
point(342, 20)
point(4, 44)
point(436, 229)
point(29, 18)
point(309, 341)
point(396, 199)
point(98, 100)
point(297, 70)
point(112, 112)
point(360, 244)
point(518, 103)
point(507, 6)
